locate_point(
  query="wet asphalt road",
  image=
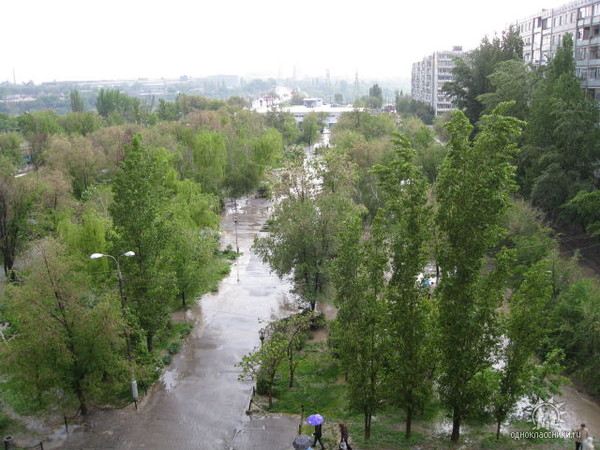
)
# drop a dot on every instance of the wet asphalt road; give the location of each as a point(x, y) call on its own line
point(199, 403)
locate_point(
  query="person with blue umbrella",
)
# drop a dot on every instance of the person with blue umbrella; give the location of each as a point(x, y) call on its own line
point(316, 420)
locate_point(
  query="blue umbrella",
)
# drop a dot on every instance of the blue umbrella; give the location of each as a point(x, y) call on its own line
point(315, 419)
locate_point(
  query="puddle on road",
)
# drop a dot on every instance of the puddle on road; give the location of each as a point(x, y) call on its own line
point(170, 379)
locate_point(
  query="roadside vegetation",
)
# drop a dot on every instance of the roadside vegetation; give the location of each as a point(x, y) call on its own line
point(433, 243)
point(450, 287)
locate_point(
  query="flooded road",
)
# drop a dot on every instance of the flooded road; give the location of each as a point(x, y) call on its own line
point(198, 403)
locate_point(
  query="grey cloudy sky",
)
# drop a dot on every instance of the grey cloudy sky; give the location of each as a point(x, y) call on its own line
point(46, 40)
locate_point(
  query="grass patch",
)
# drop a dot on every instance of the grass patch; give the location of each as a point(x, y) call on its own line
point(319, 387)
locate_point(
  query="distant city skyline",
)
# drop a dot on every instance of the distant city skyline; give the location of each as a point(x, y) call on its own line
point(62, 41)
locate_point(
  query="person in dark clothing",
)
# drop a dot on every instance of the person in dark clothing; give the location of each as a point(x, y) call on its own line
point(344, 436)
point(318, 434)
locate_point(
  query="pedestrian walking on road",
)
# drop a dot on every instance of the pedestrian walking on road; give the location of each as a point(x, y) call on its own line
point(344, 445)
point(318, 434)
point(581, 436)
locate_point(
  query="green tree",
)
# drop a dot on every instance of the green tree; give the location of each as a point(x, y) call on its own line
point(140, 224)
point(263, 364)
point(471, 72)
point(37, 128)
point(10, 148)
point(473, 194)
point(18, 199)
point(359, 329)
point(76, 102)
point(310, 128)
point(526, 325)
point(403, 227)
point(375, 98)
point(304, 225)
point(210, 158)
point(562, 137)
point(65, 343)
point(511, 80)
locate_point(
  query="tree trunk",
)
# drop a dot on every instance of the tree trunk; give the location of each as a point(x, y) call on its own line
point(270, 394)
point(498, 431)
point(367, 426)
point(183, 298)
point(409, 414)
point(82, 403)
point(292, 370)
point(149, 341)
point(455, 427)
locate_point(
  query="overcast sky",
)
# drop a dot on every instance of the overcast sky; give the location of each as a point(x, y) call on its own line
point(46, 40)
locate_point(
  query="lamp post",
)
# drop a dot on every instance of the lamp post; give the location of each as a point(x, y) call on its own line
point(134, 390)
point(235, 221)
point(119, 276)
point(261, 336)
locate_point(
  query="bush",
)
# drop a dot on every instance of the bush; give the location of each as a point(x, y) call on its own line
point(174, 348)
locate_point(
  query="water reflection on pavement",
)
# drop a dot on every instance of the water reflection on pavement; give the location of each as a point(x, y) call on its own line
point(198, 403)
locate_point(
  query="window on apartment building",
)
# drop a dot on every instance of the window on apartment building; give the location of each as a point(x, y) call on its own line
point(596, 11)
point(579, 54)
point(584, 12)
point(593, 52)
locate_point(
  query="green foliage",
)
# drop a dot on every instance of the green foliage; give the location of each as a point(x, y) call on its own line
point(10, 148)
point(511, 80)
point(209, 156)
point(76, 102)
point(78, 350)
point(526, 326)
point(584, 209)
point(370, 126)
point(285, 123)
point(82, 123)
point(310, 128)
point(304, 225)
point(8, 123)
point(140, 201)
point(472, 193)
point(472, 72)
point(575, 319)
point(19, 197)
point(562, 136)
point(403, 228)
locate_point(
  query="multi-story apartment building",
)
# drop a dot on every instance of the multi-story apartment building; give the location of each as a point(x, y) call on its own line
point(542, 34)
point(429, 76)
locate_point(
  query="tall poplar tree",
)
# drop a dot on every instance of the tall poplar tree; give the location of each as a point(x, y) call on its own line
point(404, 228)
point(360, 326)
point(473, 192)
point(140, 200)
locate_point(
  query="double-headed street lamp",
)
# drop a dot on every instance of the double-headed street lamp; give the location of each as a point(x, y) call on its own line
point(119, 275)
point(134, 390)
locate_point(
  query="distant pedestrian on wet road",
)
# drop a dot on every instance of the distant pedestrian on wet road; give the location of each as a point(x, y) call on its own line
point(344, 445)
point(581, 436)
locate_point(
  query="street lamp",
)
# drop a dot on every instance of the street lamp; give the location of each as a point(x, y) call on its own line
point(134, 390)
point(119, 276)
point(261, 335)
point(235, 221)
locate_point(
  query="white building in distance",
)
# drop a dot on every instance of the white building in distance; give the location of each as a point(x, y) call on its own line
point(310, 105)
point(542, 34)
point(430, 75)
